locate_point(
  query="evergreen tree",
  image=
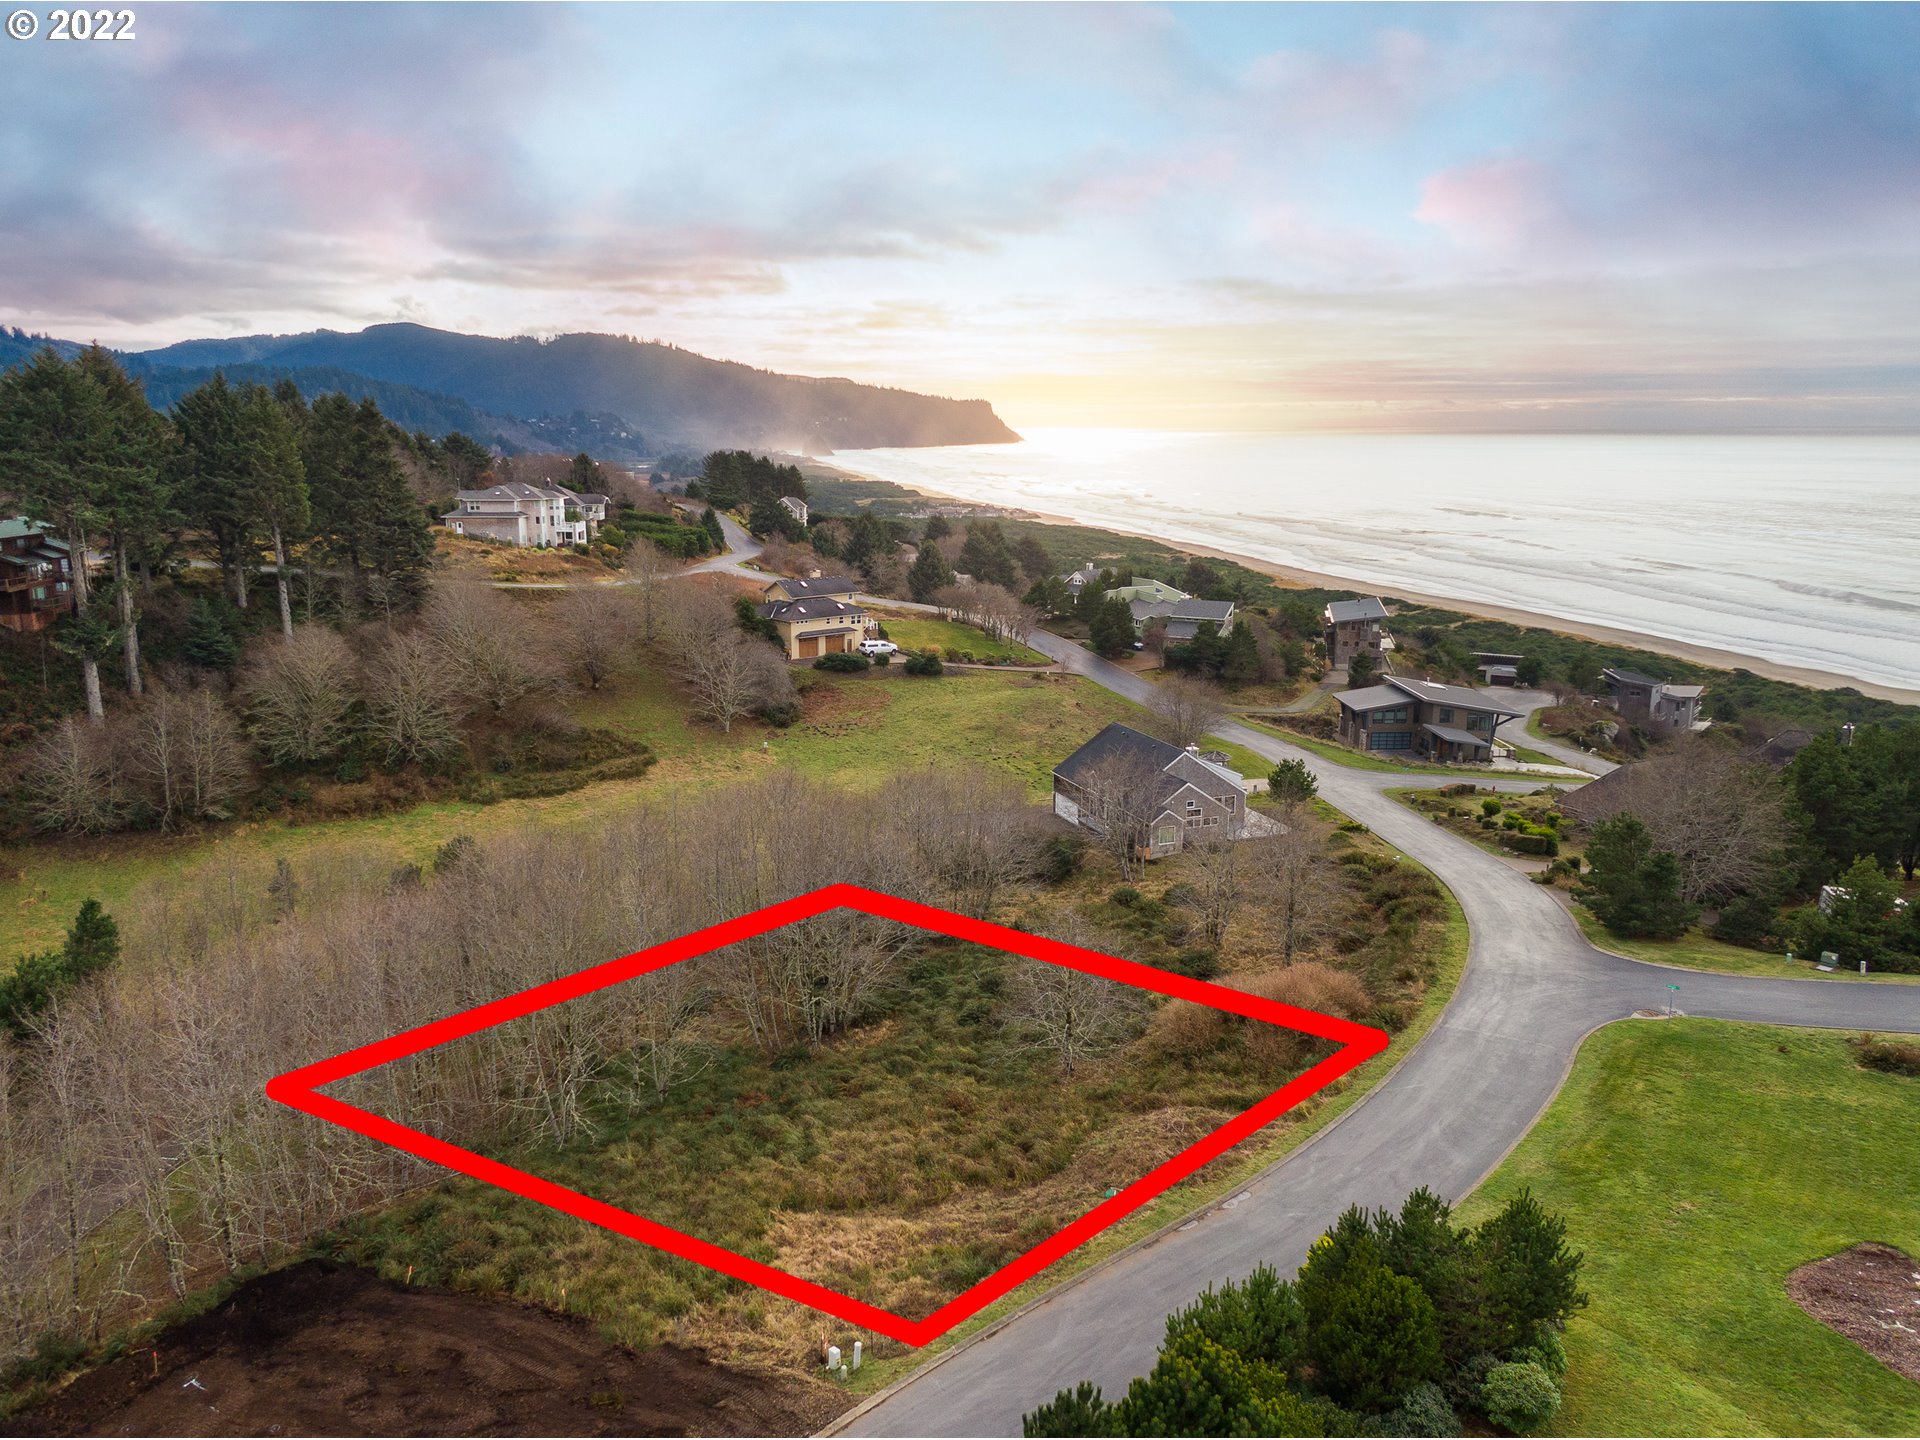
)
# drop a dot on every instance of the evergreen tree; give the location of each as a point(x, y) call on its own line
point(986, 557)
point(1380, 1337)
point(867, 541)
point(136, 509)
point(938, 528)
point(214, 472)
point(1360, 669)
point(710, 522)
point(467, 460)
point(1633, 888)
point(396, 545)
point(1198, 1387)
point(1202, 580)
point(279, 480)
point(1034, 559)
point(1292, 783)
point(1111, 632)
point(583, 476)
point(1525, 1279)
point(209, 641)
point(1240, 656)
point(93, 940)
point(929, 574)
point(59, 452)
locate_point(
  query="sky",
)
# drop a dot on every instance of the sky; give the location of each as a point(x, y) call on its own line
point(1216, 217)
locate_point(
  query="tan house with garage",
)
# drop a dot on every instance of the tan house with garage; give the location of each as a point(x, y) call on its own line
point(816, 616)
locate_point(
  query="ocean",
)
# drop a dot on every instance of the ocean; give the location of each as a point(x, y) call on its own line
point(1800, 550)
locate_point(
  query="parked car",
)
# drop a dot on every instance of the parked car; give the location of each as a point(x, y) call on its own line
point(878, 647)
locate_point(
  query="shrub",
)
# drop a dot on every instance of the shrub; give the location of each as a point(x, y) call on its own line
point(780, 713)
point(1060, 857)
point(844, 662)
point(1380, 1337)
point(1489, 807)
point(1125, 895)
point(885, 657)
point(1548, 1351)
point(1746, 920)
point(928, 664)
point(1424, 1411)
point(1893, 1056)
point(1522, 844)
point(1196, 964)
point(1081, 1411)
point(1258, 1318)
point(1519, 1397)
point(1179, 893)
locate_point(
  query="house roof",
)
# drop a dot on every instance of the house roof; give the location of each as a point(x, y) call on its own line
point(1684, 692)
point(588, 498)
point(509, 490)
point(1371, 698)
point(1341, 611)
point(1175, 767)
point(1460, 695)
point(825, 585)
point(1629, 677)
point(18, 526)
point(1458, 737)
point(818, 607)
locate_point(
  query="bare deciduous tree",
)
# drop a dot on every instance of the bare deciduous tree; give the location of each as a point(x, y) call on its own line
point(414, 707)
point(69, 781)
point(731, 674)
point(648, 571)
point(968, 839)
point(1217, 876)
point(1118, 796)
point(184, 749)
point(299, 695)
point(1293, 875)
point(494, 649)
point(1075, 1016)
point(1186, 710)
point(1723, 816)
point(594, 631)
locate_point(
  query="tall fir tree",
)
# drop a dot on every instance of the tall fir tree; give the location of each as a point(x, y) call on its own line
point(214, 474)
point(57, 447)
point(279, 480)
point(929, 574)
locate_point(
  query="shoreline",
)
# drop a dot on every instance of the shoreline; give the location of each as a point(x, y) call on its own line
point(1698, 654)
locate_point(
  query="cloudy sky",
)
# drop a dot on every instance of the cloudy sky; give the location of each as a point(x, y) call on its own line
point(1701, 218)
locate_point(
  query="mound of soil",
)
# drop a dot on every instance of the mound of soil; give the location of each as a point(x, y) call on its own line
point(322, 1349)
point(1871, 1295)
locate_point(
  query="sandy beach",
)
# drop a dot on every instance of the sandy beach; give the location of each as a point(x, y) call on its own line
point(1293, 576)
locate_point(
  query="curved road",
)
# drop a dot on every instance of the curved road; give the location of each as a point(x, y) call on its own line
point(1532, 991)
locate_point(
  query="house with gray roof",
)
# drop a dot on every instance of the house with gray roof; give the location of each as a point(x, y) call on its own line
point(1164, 797)
point(1183, 617)
point(1355, 625)
point(516, 513)
point(1449, 723)
point(1653, 704)
point(813, 587)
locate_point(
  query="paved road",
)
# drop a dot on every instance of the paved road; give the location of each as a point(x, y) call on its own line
point(1528, 701)
point(1533, 990)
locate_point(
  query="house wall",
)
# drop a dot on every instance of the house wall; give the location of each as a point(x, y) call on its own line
point(1348, 636)
point(829, 635)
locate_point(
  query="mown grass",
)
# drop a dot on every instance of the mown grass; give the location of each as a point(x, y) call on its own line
point(956, 641)
point(1698, 1163)
point(1697, 950)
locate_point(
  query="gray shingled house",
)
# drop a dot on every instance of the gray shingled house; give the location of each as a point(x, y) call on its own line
point(1354, 625)
point(1440, 722)
point(1164, 794)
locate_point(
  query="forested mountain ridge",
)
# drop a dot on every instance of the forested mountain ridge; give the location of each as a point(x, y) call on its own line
point(670, 396)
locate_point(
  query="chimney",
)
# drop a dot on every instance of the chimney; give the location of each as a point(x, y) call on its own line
point(1193, 749)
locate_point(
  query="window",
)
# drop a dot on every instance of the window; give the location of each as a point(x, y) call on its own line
point(1167, 835)
point(1193, 806)
point(1446, 717)
point(1395, 716)
point(1390, 740)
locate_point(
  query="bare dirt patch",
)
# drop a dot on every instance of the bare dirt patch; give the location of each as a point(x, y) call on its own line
point(1871, 1295)
point(322, 1349)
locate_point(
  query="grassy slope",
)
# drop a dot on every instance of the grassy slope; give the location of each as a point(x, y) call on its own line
point(1697, 1164)
point(1697, 950)
point(859, 730)
point(923, 634)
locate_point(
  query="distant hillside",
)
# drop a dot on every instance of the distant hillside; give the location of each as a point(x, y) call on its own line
point(668, 394)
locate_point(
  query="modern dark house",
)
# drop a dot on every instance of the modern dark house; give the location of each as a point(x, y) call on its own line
point(1450, 723)
point(1653, 704)
point(36, 575)
point(1165, 795)
point(1354, 625)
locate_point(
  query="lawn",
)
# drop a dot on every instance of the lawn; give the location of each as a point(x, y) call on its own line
point(956, 641)
point(1698, 1163)
point(1697, 950)
point(856, 730)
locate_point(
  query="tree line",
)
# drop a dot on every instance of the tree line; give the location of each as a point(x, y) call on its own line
point(258, 473)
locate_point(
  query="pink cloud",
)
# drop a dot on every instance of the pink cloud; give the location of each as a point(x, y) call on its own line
point(1496, 204)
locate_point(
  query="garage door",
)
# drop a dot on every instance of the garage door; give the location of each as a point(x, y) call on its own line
point(809, 646)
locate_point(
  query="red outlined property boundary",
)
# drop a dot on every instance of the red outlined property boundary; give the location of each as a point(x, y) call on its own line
point(300, 1089)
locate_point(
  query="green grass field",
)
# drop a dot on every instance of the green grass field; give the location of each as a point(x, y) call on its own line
point(1697, 950)
point(919, 633)
point(1698, 1163)
point(857, 730)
